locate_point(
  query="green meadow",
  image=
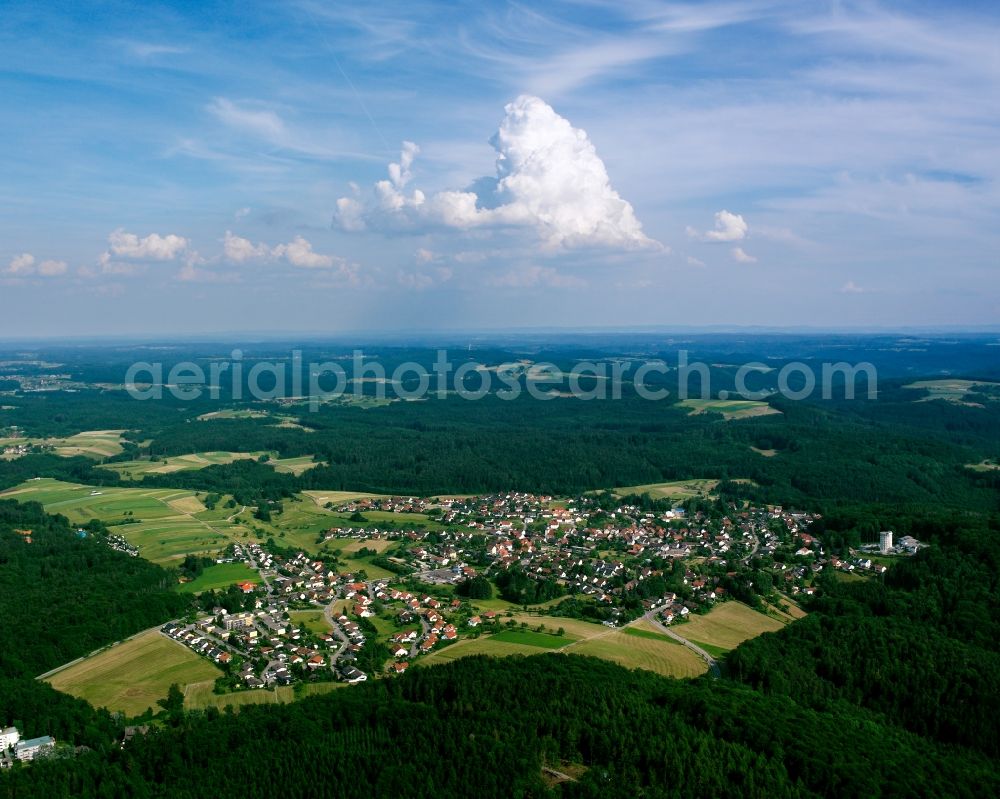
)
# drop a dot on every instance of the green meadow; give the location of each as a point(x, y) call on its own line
point(164, 524)
point(730, 409)
point(136, 470)
point(221, 575)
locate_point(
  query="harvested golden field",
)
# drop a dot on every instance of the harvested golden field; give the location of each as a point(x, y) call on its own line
point(131, 676)
point(727, 626)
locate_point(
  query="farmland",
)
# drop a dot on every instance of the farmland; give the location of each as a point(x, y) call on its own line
point(679, 489)
point(321, 498)
point(97, 444)
point(163, 523)
point(167, 524)
point(131, 676)
point(641, 652)
point(530, 638)
point(295, 466)
point(726, 627)
point(201, 695)
point(198, 696)
point(136, 470)
point(638, 646)
point(479, 646)
point(730, 409)
point(951, 389)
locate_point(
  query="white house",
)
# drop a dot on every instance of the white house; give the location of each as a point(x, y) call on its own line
point(31, 748)
point(9, 738)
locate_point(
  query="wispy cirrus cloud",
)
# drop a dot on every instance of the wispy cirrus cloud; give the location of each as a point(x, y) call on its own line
point(533, 276)
point(256, 121)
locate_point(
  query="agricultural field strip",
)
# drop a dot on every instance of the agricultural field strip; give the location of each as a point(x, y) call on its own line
point(129, 676)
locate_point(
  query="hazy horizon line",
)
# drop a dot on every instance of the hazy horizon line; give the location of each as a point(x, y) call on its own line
point(254, 336)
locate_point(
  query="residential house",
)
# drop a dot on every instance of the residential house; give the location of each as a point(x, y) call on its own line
point(33, 747)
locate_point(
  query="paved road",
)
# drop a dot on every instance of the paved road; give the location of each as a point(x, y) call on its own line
point(756, 546)
point(337, 632)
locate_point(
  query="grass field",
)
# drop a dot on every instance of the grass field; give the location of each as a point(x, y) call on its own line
point(727, 626)
point(98, 444)
point(166, 522)
point(374, 572)
point(794, 611)
point(679, 489)
point(632, 651)
point(221, 575)
point(132, 676)
point(312, 620)
point(712, 649)
point(848, 577)
point(234, 413)
point(531, 638)
point(136, 470)
point(951, 389)
point(638, 646)
point(294, 466)
point(478, 646)
point(336, 497)
point(730, 409)
point(646, 632)
point(349, 546)
point(199, 696)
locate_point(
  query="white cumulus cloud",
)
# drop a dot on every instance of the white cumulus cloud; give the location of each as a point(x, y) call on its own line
point(237, 249)
point(743, 257)
point(728, 227)
point(549, 179)
point(21, 265)
point(26, 265)
point(299, 252)
point(153, 247)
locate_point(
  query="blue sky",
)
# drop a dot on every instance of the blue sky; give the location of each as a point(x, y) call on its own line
point(320, 166)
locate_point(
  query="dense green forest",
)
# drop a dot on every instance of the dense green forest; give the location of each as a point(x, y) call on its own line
point(893, 452)
point(62, 596)
point(920, 647)
point(894, 449)
point(890, 687)
point(484, 727)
